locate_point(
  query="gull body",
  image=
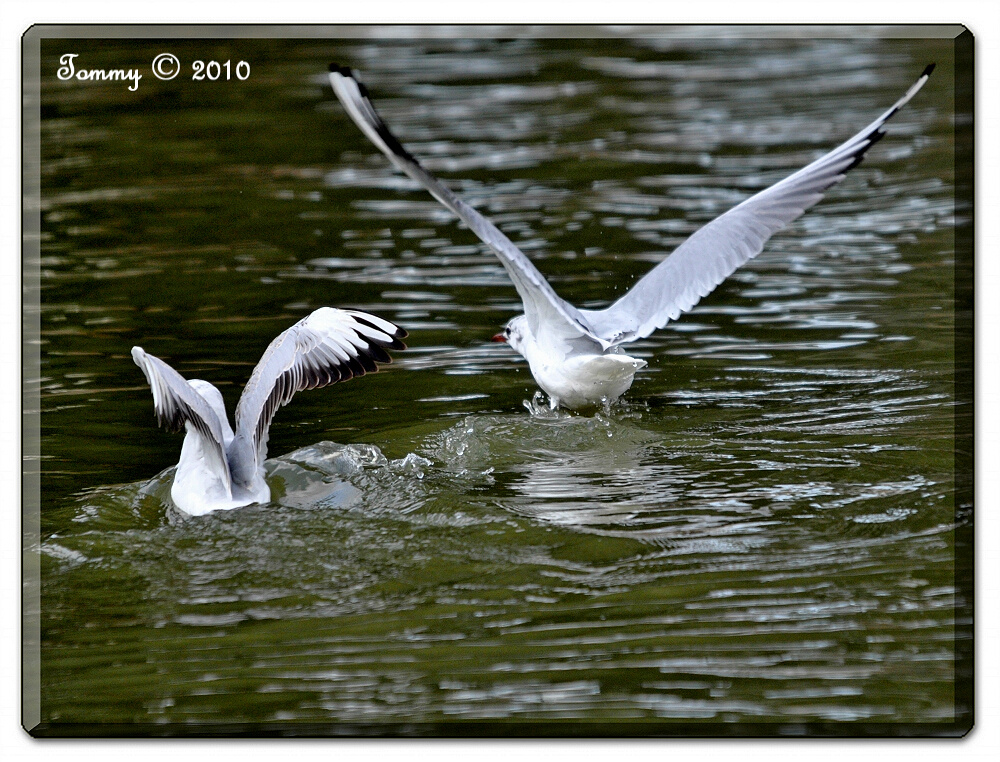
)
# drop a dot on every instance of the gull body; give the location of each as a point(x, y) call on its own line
point(574, 372)
point(221, 468)
point(575, 355)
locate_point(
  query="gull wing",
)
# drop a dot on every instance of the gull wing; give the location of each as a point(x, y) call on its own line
point(177, 402)
point(325, 347)
point(541, 303)
point(712, 253)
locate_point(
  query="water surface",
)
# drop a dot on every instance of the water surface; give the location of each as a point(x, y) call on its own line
point(761, 538)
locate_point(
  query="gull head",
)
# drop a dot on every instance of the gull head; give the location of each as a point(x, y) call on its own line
point(515, 333)
point(213, 397)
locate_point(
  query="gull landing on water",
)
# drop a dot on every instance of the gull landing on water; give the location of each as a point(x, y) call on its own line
point(220, 469)
point(575, 354)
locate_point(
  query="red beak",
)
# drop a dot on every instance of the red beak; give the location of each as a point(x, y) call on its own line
point(499, 337)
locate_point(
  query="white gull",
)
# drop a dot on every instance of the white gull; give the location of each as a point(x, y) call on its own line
point(220, 468)
point(575, 355)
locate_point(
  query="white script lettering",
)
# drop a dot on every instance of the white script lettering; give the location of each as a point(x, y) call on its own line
point(69, 71)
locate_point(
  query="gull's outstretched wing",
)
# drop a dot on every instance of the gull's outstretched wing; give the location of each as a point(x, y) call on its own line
point(325, 347)
point(541, 303)
point(177, 402)
point(712, 253)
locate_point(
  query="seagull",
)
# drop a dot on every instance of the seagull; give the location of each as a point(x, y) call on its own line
point(576, 355)
point(220, 469)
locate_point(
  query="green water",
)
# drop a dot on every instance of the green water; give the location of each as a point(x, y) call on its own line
point(762, 538)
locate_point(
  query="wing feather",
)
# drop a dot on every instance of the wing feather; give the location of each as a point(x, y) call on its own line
point(541, 303)
point(325, 347)
point(177, 403)
point(712, 253)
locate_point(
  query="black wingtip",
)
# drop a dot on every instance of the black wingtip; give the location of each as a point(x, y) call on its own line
point(391, 141)
point(399, 333)
point(928, 70)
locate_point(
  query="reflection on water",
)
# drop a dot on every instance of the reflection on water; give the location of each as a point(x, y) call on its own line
point(761, 532)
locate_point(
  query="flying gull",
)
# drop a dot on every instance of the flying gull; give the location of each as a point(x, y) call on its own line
point(575, 355)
